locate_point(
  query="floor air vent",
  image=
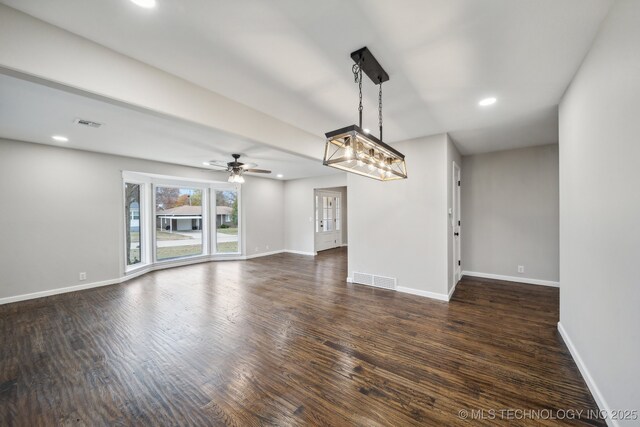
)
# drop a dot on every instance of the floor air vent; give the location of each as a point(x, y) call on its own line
point(372, 280)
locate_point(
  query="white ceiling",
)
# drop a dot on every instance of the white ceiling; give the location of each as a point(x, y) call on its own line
point(290, 58)
point(34, 112)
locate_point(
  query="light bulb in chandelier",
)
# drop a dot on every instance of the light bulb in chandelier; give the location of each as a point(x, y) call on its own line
point(348, 151)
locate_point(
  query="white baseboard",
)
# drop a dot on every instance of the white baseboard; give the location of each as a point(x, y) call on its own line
point(595, 391)
point(261, 254)
point(50, 292)
point(132, 275)
point(453, 289)
point(291, 251)
point(127, 276)
point(420, 292)
point(412, 291)
point(512, 279)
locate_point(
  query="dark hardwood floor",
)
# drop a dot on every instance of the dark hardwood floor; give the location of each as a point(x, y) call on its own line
point(283, 340)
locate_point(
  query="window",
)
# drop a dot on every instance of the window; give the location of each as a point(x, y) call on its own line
point(317, 217)
point(226, 207)
point(337, 202)
point(179, 219)
point(170, 218)
point(133, 237)
point(328, 213)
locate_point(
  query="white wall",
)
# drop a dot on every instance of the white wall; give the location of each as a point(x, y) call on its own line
point(299, 210)
point(263, 205)
point(399, 228)
point(510, 213)
point(453, 155)
point(600, 212)
point(62, 213)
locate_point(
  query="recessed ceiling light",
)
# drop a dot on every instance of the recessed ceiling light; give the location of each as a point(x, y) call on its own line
point(279, 175)
point(206, 163)
point(60, 138)
point(147, 4)
point(487, 101)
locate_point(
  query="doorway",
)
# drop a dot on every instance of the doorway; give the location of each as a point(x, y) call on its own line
point(328, 219)
point(455, 218)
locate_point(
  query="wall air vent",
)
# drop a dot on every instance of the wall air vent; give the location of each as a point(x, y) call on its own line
point(84, 122)
point(373, 280)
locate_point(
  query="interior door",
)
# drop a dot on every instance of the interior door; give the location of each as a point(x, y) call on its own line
point(457, 226)
point(328, 224)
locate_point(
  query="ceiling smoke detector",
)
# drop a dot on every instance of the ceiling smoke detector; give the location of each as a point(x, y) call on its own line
point(84, 122)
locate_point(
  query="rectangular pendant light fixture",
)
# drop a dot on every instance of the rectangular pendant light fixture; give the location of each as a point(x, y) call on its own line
point(351, 149)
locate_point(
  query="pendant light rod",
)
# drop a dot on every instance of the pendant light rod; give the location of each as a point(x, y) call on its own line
point(380, 110)
point(357, 76)
point(365, 61)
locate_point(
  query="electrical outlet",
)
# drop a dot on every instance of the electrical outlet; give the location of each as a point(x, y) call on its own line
point(83, 276)
point(521, 269)
point(257, 249)
point(267, 247)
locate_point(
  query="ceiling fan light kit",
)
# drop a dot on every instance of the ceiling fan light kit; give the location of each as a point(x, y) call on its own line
point(351, 149)
point(236, 178)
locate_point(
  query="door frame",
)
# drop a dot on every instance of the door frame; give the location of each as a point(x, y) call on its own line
point(338, 195)
point(456, 207)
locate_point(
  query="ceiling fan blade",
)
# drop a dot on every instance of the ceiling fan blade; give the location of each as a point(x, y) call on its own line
point(218, 164)
point(257, 171)
point(246, 166)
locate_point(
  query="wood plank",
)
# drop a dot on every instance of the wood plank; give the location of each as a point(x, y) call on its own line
point(283, 340)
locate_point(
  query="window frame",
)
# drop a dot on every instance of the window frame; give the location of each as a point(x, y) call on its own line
point(214, 233)
point(142, 235)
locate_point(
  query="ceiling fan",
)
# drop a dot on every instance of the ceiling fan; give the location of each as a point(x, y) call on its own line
point(237, 168)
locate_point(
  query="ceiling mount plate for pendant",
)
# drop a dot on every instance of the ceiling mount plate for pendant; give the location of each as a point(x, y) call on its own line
point(370, 65)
